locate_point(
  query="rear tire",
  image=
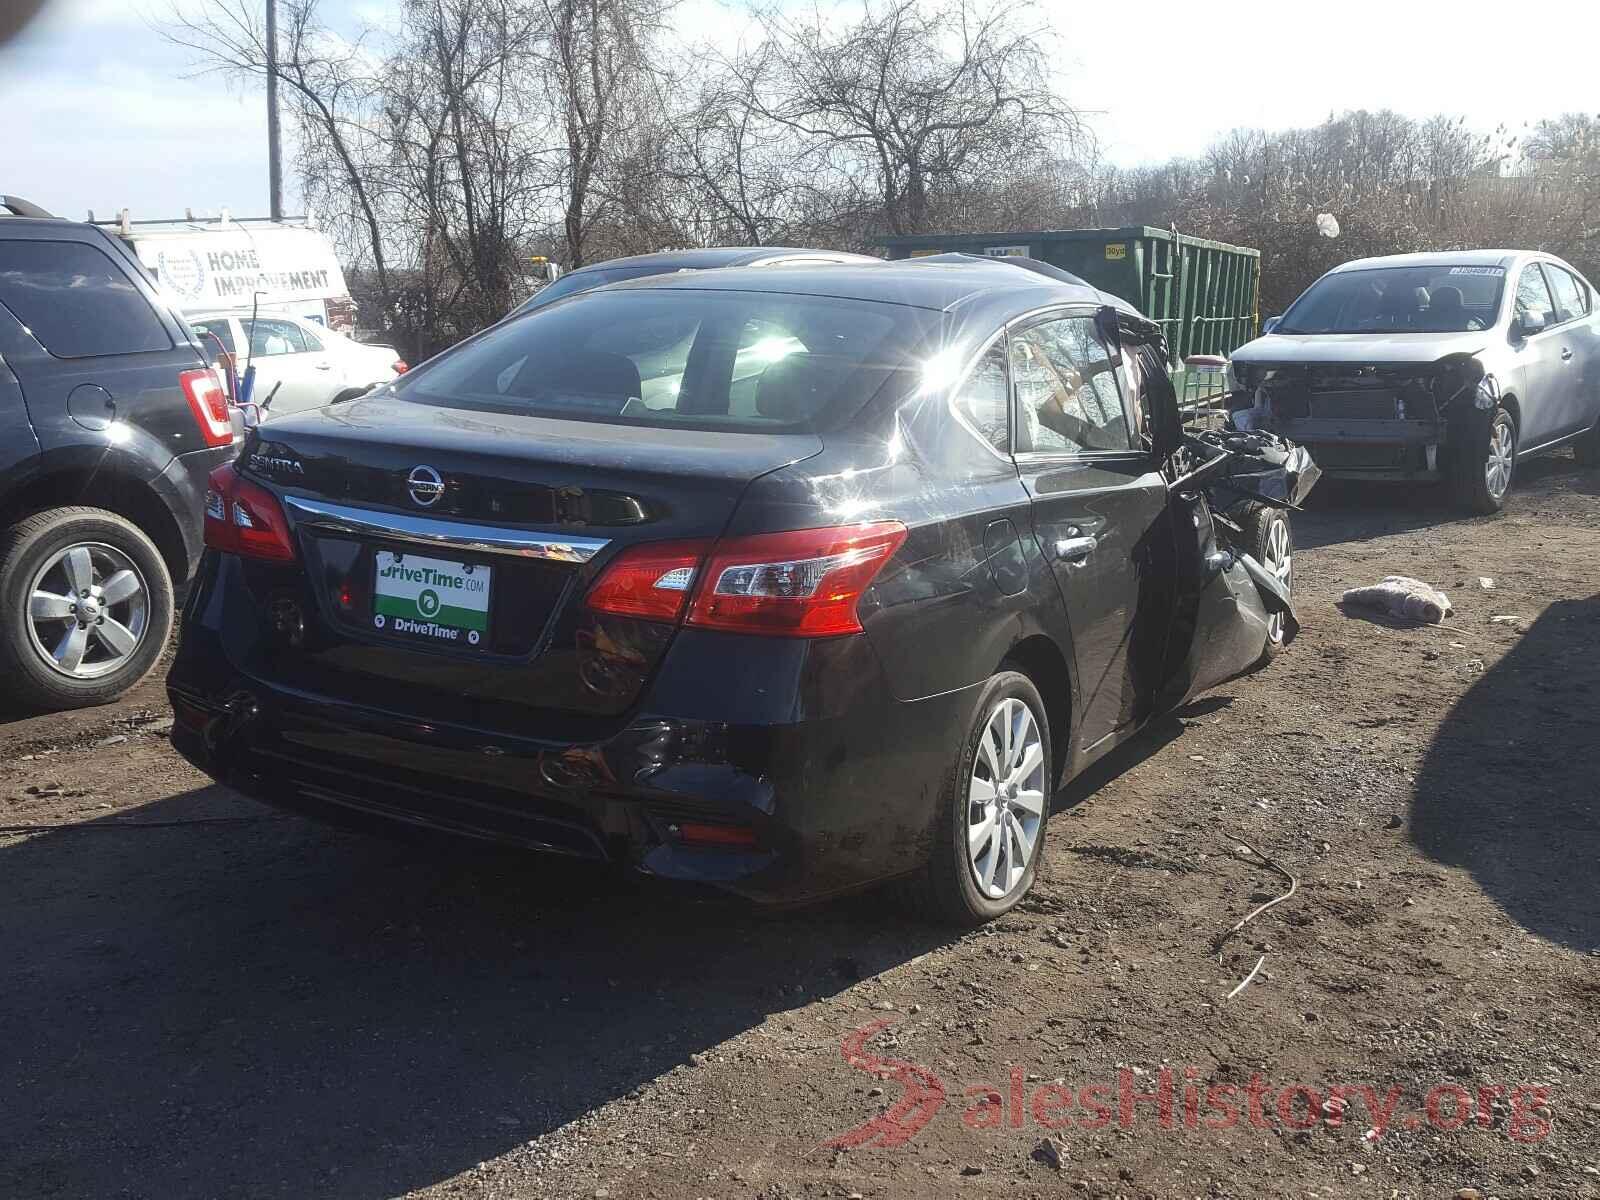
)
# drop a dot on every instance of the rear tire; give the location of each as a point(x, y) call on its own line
point(1487, 465)
point(85, 607)
point(1269, 539)
point(990, 826)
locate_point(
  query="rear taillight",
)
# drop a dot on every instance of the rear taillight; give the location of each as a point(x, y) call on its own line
point(804, 583)
point(652, 581)
point(801, 583)
point(400, 367)
point(728, 837)
point(208, 400)
point(244, 518)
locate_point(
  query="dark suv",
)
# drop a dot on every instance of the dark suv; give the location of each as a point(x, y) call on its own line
point(110, 421)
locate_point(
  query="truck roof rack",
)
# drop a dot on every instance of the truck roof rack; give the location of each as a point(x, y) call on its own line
point(18, 207)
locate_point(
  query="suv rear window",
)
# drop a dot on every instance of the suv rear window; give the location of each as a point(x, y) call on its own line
point(76, 301)
point(694, 359)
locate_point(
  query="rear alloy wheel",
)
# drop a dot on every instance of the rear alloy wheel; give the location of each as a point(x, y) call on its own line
point(1488, 464)
point(989, 835)
point(1005, 799)
point(88, 606)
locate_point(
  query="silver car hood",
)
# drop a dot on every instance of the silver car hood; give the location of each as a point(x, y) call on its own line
point(1282, 349)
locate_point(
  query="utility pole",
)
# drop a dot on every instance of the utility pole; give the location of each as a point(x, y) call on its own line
point(274, 141)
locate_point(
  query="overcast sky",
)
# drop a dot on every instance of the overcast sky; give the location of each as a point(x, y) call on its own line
point(101, 113)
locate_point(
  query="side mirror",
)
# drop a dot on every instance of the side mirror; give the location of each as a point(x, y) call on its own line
point(1268, 324)
point(1528, 323)
point(1105, 324)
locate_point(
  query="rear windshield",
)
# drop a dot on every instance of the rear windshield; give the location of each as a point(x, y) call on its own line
point(1441, 299)
point(695, 359)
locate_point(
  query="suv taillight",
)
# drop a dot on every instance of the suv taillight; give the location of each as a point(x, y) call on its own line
point(208, 400)
point(801, 583)
point(244, 518)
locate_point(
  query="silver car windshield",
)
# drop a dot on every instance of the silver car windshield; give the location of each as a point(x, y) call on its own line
point(1388, 300)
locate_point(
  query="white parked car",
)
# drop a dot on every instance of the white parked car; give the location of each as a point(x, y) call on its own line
point(1454, 366)
point(309, 365)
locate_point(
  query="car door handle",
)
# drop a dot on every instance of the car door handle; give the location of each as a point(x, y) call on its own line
point(1566, 353)
point(324, 366)
point(1074, 549)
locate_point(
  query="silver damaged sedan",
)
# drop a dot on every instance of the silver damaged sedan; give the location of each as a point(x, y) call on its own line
point(1452, 366)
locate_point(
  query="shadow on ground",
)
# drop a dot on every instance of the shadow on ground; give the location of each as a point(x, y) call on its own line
point(1508, 788)
point(275, 1009)
point(1341, 511)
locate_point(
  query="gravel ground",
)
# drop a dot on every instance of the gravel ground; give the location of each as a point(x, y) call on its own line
point(246, 1004)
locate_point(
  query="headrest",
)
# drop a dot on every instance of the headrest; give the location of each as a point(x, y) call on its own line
point(795, 388)
point(595, 374)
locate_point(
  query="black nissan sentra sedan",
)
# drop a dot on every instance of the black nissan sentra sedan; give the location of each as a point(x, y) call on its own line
point(784, 583)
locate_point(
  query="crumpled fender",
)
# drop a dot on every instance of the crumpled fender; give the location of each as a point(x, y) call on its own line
point(1256, 467)
point(1273, 597)
point(1262, 467)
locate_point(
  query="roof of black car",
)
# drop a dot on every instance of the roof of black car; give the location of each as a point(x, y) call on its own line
point(701, 259)
point(918, 282)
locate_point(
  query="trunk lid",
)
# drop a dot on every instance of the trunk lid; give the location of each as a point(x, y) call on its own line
point(505, 519)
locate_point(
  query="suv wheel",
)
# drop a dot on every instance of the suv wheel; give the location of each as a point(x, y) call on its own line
point(989, 832)
point(1487, 465)
point(87, 607)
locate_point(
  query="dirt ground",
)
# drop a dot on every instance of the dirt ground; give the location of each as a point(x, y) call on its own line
point(245, 1004)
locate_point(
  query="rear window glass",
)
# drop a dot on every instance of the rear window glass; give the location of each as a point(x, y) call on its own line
point(1571, 300)
point(76, 301)
point(697, 359)
point(221, 330)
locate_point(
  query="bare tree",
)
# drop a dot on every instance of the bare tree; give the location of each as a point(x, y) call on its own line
point(330, 87)
point(914, 98)
point(464, 129)
point(597, 73)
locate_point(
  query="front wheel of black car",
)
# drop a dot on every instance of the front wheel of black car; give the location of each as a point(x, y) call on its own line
point(989, 832)
point(87, 606)
point(1487, 464)
point(1270, 541)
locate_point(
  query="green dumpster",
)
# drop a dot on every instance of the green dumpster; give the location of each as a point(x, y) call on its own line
point(1204, 293)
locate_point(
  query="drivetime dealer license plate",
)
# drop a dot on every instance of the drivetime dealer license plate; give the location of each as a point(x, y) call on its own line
point(431, 599)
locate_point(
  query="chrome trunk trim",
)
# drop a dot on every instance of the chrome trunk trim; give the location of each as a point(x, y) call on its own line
point(431, 531)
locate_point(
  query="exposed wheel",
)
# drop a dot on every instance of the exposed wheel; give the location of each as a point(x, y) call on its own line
point(990, 825)
point(1269, 538)
point(1487, 464)
point(87, 607)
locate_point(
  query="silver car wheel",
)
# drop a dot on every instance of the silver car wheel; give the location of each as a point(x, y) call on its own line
point(1498, 466)
point(1279, 561)
point(1005, 799)
point(88, 610)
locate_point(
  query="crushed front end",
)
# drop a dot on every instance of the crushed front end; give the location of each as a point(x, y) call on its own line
point(1378, 422)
